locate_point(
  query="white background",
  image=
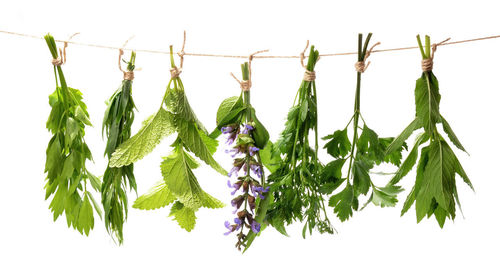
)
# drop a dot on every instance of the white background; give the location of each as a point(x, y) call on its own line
point(375, 242)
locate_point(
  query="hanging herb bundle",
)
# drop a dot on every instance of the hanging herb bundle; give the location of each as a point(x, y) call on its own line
point(435, 191)
point(362, 154)
point(67, 152)
point(117, 124)
point(296, 182)
point(236, 118)
point(179, 185)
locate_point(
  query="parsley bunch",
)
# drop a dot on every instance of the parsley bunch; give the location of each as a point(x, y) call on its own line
point(67, 153)
point(364, 152)
point(435, 191)
point(179, 185)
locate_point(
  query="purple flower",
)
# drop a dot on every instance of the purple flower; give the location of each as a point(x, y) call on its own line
point(248, 128)
point(255, 227)
point(226, 129)
point(252, 150)
point(234, 227)
point(256, 169)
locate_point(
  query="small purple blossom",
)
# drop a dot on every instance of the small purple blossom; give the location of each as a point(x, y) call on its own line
point(252, 150)
point(247, 129)
point(234, 227)
point(256, 169)
point(255, 226)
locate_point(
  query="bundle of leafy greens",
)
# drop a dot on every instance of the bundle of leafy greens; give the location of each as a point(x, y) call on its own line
point(362, 154)
point(237, 118)
point(435, 191)
point(116, 125)
point(296, 181)
point(179, 185)
point(67, 153)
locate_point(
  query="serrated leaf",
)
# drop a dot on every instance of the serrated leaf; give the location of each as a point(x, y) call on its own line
point(199, 143)
point(178, 104)
point(183, 215)
point(343, 203)
point(339, 144)
point(157, 197)
point(153, 130)
point(211, 202)
point(360, 172)
point(386, 196)
point(180, 179)
point(85, 217)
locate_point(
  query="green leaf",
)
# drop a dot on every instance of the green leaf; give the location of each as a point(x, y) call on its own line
point(304, 107)
point(82, 116)
point(269, 159)
point(400, 140)
point(343, 203)
point(178, 104)
point(339, 145)
point(211, 202)
point(386, 196)
point(95, 182)
point(177, 174)
point(451, 134)
point(96, 205)
point(199, 143)
point(85, 216)
point(368, 143)
point(361, 178)
point(422, 164)
point(157, 197)
point(427, 99)
point(72, 130)
point(410, 160)
point(153, 130)
point(183, 215)
point(228, 111)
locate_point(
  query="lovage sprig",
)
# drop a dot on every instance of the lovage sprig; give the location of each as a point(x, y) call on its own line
point(435, 190)
point(67, 152)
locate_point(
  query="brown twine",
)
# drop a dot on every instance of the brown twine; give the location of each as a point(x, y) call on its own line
point(61, 60)
point(245, 85)
point(360, 65)
point(127, 75)
point(308, 75)
point(427, 64)
point(176, 71)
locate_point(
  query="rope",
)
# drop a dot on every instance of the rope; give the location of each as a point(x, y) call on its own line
point(242, 56)
point(127, 75)
point(61, 60)
point(308, 75)
point(245, 85)
point(360, 66)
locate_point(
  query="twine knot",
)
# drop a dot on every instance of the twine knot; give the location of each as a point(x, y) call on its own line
point(361, 66)
point(57, 62)
point(428, 63)
point(246, 85)
point(128, 75)
point(309, 76)
point(175, 72)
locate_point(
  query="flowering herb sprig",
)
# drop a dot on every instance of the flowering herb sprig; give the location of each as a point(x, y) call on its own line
point(246, 184)
point(248, 137)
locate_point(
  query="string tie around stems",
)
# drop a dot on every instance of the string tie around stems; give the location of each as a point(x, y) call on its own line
point(361, 66)
point(308, 75)
point(427, 64)
point(245, 85)
point(176, 71)
point(127, 75)
point(61, 60)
